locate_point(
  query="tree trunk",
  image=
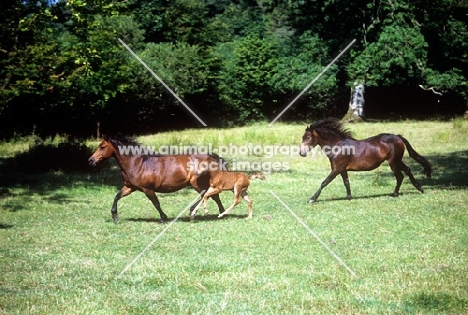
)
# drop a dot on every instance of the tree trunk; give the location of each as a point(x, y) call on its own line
point(98, 129)
point(356, 103)
point(466, 110)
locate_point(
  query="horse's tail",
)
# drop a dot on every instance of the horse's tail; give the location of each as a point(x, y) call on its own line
point(417, 157)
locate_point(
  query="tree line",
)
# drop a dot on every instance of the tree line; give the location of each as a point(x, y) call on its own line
point(233, 61)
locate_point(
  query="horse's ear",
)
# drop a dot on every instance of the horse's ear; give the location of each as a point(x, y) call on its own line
point(105, 137)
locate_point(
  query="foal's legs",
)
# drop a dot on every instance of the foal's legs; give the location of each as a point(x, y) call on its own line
point(125, 191)
point(237, 199)
point(200, 184)
point(345, 177)
point(216, 199)
point(327, 181)
point(209, 193)
point(152, 196)
point(249, 201)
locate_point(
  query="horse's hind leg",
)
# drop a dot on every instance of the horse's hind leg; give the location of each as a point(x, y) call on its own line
point(152, 196)
point(125, 191)
point(345, 177)
point(399, 178)
point(413, 180)
point(216, 199)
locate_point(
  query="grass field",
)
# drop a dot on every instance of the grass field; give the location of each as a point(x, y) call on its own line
point(60, 252)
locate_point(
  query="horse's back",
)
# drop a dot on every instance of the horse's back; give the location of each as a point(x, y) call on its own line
point(369, 153)
point(383, 138)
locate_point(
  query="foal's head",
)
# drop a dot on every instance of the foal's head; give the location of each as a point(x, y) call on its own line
point(104, 151)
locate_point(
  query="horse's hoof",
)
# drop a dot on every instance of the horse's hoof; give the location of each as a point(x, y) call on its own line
point(161, 221)
point(311, 200)
point(220, 216)
point(192, 216)
point(395, 194)
point(349, 197)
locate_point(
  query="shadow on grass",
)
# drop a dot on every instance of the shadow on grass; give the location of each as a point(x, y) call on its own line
point(186, 218)
point(441, 302)
point(450, 170)
point(45, 169)
point(4, 226)
point(389, 195)
point(213, 217)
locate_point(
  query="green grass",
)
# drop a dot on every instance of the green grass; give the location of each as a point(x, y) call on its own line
point(60, 252)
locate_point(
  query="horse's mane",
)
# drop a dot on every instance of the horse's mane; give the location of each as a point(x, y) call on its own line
point(120, 140)
point(330, 127)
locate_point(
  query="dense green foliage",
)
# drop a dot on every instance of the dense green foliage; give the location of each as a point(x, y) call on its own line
point(63, 70)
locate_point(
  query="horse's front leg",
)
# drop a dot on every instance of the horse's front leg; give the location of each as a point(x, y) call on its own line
point(152, 196)
point(345, 177)
point(125, 191)
point(218, 202)
point(327, 181)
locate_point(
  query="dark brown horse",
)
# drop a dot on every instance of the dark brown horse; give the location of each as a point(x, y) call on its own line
point(151, 173)
point(348, 154)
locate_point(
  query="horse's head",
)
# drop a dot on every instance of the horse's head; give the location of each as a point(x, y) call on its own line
point(309, 140)
point(104, 151)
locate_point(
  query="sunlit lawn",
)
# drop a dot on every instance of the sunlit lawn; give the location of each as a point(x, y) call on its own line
point(60, 253)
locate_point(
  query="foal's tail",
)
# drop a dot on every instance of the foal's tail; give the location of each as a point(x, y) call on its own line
point(257, 175)
point(417, 157)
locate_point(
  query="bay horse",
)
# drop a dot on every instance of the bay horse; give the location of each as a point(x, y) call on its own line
point(348, 154)
point(151, 173)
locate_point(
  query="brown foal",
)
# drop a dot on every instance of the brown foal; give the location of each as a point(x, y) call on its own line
point(238, 182)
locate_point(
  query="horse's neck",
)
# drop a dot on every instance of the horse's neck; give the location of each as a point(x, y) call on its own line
point(126, 163)
point(329, 142)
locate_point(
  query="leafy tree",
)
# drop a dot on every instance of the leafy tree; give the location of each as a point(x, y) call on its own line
point(63, 69)
point(27, 63)
point(295, 71)
point(182, 67)
point(246, 77)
